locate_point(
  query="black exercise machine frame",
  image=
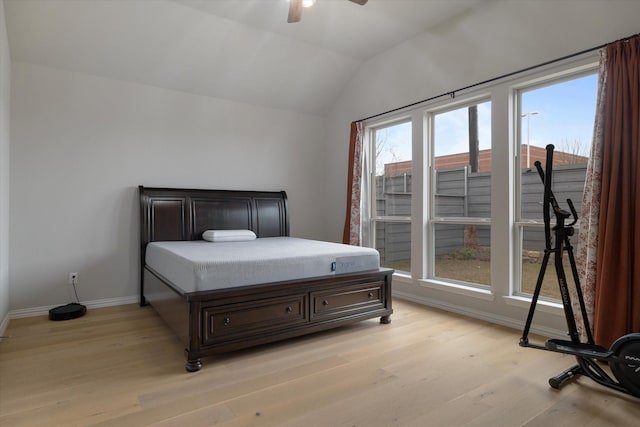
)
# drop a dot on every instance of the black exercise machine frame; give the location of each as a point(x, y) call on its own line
point(624, 356)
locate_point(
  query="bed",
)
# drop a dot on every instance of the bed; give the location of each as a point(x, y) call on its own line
point(227, 306)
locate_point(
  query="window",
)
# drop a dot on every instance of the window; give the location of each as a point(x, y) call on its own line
point(559, 113)
point(461, 195)
point(462, 222)
point(391, 200)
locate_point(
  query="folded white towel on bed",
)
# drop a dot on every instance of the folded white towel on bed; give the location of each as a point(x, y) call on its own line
point(228, 235)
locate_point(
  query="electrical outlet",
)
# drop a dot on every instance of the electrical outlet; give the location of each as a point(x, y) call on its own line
point(73, 279)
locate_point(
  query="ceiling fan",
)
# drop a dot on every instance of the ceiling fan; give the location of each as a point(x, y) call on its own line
point(295, 8)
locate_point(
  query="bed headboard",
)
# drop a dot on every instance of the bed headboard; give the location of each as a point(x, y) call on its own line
point(184, 214)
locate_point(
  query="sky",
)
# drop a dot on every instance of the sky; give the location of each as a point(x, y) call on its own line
point(566, 113)
point(565, 116)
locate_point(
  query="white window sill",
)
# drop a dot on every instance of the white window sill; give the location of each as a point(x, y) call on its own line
point(460, 289)
point(402, 276)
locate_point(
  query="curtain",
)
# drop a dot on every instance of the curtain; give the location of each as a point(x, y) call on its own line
point(617, 284)
point(588, 233)
point(352, 224)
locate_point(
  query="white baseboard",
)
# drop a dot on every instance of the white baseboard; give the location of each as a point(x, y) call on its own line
point(482, 315)
point(3, 325)
point(39, 311)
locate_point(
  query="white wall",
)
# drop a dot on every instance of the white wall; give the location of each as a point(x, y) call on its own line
point(80, 146)
point(5, 73)
point(501, 37)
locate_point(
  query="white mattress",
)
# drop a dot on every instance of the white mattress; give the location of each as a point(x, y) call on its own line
point(200, 265)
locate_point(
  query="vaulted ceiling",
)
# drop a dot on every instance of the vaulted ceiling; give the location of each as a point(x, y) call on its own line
point(242, 50)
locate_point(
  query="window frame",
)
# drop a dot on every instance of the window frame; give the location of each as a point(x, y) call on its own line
point(498, 303)
point(432, 220)
point(521, 224)
point(373, 217)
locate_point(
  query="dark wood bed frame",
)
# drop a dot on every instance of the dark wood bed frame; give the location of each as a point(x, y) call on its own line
point(210, 322)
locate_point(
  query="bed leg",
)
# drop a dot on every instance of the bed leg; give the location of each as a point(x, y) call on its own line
point(193, 365)
point(385, 319)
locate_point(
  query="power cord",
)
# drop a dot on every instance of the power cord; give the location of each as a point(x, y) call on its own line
point(75, 291)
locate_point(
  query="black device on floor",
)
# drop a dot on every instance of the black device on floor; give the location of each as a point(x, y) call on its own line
point(72, 310)
point(623, 358)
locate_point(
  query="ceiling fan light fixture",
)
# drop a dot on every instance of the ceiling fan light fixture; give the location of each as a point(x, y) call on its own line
point(295, 8)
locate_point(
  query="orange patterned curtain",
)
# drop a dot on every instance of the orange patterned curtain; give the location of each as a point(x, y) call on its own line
point(586, 257)
point(617, 285)
point(352, 223)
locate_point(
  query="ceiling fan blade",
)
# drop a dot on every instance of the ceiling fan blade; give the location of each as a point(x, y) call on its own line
point(295, 11)
point(360, 2)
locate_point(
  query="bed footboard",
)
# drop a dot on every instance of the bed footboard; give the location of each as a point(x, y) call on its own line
point(220, 321)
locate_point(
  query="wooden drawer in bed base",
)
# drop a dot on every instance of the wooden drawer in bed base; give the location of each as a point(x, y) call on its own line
point(222, 323)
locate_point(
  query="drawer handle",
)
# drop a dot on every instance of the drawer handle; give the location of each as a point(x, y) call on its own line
point(289, 309)
point(227, 321)
point(325, 302)
point(370, 294)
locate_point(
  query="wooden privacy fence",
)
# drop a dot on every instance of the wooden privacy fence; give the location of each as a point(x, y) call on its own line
point(461, 194)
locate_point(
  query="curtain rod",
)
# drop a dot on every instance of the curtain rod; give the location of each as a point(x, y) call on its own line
point(452, 93)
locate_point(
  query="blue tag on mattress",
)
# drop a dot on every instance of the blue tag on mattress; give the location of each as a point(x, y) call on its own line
point(333, 266)
point(348, 264)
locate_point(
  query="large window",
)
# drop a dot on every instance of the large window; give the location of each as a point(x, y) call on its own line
point(453, 200)
point(559, 113)
point(391, 195)
point(461, 195)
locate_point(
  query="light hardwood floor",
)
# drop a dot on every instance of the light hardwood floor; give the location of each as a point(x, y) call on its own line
point(121, 366)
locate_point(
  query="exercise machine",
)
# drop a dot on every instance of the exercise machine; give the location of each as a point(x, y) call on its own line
point(623, 358)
